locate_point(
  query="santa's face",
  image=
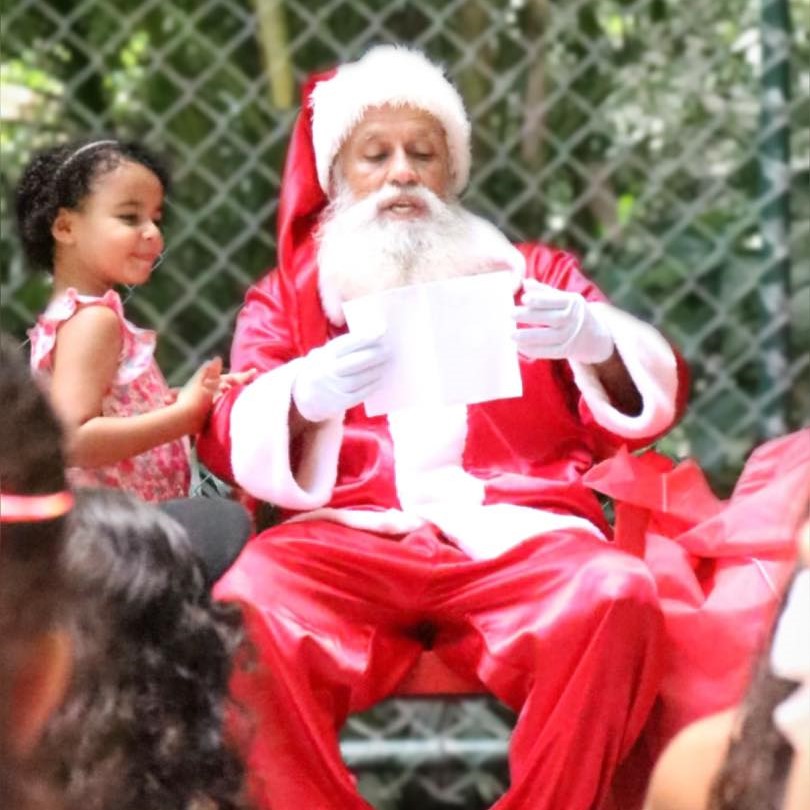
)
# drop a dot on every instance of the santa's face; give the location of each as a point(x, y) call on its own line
point(392, 220)
point(398, 147)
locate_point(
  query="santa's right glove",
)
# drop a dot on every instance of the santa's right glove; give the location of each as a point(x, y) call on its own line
point(338, 375)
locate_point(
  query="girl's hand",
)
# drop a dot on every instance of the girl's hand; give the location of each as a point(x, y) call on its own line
point(197, 395)
point(228, 381)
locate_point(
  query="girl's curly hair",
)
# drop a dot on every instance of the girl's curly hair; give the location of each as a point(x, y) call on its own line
point(62, 177)
point(143, 726)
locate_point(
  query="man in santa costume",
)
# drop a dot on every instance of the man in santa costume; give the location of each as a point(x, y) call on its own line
point(466, 527)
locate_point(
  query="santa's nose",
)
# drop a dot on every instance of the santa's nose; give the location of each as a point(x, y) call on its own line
point(402, 171)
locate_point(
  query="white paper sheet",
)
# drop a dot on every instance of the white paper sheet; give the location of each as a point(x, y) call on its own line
point(450, 341)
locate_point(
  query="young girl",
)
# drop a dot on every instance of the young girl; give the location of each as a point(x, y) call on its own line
point(89, 213)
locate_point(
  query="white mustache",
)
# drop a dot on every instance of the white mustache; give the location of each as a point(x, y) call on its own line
point(367, 209)
point(389, 193)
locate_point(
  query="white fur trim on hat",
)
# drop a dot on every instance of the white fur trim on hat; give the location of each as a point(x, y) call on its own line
point(392, 75)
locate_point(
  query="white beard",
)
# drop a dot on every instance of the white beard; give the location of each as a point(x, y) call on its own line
point(361, 251)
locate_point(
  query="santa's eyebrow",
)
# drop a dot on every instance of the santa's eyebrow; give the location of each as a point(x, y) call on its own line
point(374, 134)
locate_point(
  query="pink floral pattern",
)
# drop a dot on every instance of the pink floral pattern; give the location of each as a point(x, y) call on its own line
point(139, 387)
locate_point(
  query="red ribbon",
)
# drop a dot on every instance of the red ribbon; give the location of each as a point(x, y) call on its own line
point(32, 508)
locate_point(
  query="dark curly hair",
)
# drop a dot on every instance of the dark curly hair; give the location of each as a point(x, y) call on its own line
point(143, 726)
point(31, 586)
point(62, 177)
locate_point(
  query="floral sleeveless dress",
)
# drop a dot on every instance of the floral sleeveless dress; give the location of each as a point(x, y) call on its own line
point(139, 386)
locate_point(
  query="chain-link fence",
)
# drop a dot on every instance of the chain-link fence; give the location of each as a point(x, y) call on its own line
point(665, 143)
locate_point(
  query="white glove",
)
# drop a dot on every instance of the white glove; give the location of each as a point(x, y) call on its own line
point(563, 326)
point(338, 375)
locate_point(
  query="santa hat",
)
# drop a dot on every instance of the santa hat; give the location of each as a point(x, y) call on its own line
point(387, 75)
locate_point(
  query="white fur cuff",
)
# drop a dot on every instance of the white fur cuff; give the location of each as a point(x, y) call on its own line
point(652, 366)
point(260, 445)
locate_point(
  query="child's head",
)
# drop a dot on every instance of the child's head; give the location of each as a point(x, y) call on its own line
point(62, 181)
point(34, 649)
point(142, 725)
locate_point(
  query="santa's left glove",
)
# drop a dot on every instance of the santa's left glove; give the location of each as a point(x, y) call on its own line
point(338, 375)
point(560, 325)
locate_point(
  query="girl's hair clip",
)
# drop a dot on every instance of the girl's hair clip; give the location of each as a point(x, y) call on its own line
point(33, 508)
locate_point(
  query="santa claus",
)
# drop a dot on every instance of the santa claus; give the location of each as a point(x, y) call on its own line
point(469, 520)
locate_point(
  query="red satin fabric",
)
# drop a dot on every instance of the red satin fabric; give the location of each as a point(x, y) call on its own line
point(564, 629)
point(720, 567)
point(531, 450)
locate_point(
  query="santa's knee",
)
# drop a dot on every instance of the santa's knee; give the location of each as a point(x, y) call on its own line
point(612, 579)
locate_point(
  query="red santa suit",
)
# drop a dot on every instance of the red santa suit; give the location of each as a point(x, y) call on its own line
point(471, 521)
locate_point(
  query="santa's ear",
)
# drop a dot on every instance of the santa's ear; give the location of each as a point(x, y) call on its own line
point(63, 227)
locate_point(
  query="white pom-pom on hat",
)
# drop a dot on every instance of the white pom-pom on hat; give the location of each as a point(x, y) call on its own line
point(387, 75)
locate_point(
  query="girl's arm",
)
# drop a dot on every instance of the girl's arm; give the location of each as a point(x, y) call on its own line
point(86, 359)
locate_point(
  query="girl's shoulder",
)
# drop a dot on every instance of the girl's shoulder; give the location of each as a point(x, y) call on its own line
point(138, 345)
point(65, 306)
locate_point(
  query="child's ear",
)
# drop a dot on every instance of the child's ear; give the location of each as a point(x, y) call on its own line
point(62, 229)
point(38, 686)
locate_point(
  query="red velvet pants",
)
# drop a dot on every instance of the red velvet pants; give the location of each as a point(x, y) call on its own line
point(564, 629)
